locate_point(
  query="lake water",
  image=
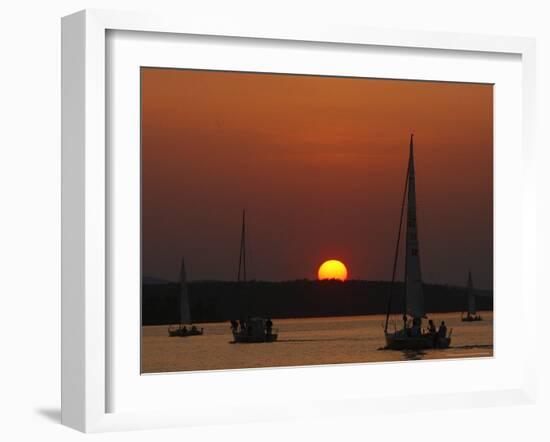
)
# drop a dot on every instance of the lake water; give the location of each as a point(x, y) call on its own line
point(305, 341)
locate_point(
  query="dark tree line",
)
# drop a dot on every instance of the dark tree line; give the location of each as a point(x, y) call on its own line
point(212, 301)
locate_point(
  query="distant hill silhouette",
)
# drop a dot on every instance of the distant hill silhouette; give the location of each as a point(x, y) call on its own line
point(213, 301)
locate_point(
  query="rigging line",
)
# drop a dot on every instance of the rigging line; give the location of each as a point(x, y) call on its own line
point(244, 247)
point(242, 256)
point(411, 180)
point(390, 295)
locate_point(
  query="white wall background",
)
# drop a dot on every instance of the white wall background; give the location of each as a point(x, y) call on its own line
point(30, 216)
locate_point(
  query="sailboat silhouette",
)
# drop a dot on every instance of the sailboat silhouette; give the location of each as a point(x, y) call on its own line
point(471, 302)
point(251, 329)
point(412, 337)
point(184, 310)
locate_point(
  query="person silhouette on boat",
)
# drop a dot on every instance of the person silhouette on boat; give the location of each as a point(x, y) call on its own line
point(268, 326)
point(415, 331)
point(234, 325)
point(432, 330)
point(442, 332)
point(194, 329)
point(184, 330)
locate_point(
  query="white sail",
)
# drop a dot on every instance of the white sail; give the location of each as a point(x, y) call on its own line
point(471, 296)
point(414, 294)
point(185, 312)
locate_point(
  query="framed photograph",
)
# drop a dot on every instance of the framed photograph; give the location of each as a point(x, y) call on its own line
point(322, 164)
point(258, 217)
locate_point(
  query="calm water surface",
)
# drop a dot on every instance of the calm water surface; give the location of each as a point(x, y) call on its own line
point(309, 341)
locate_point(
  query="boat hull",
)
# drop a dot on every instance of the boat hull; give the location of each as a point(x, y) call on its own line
point(245, 338)
point(472, 319)
point(179, 332)
point(399, 341)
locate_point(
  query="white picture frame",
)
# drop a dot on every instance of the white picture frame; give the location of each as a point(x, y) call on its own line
point(86, 353)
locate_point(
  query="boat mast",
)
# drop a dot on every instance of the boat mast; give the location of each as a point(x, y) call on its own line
point(185, 311)
point(242, 253)
point(471, 295)
point(396, 255)
point(414, 296)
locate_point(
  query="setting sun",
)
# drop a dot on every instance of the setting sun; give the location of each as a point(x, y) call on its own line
point(333, 269)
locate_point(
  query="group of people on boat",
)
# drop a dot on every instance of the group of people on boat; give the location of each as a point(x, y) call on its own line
point(415, 329)
point(245, 327)
point(253, 329)
point(442, 328)
point(184, 331)
point(471, 317)
point(437, 334)
point(192, 330)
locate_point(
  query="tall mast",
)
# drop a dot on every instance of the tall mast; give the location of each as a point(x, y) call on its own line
point(242, 253)
point(396, 255)
point(471, 295)
point(185, 311)
point(413, 275)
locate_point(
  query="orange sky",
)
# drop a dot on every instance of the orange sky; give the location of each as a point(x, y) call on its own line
point(319, 163)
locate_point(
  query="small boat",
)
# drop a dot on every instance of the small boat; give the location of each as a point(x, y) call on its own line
point(412, 336)
point(254, 329)
point(471, 303)
point(471, 318)
point(181, 330)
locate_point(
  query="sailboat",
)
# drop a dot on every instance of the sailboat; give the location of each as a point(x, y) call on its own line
point(411, 336)
point(184, 310)
point(252, 329)
point(471, 302)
